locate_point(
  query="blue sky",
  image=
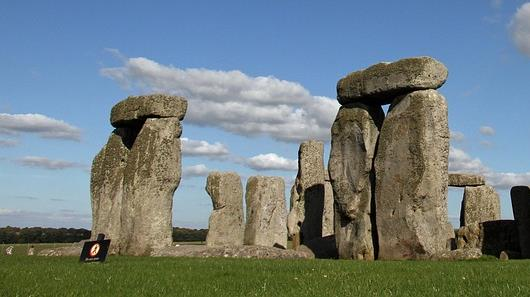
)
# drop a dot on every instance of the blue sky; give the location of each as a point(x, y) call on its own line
point(260, 77)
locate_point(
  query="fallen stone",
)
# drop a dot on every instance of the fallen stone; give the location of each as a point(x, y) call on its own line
point(412, 179)
point(106, 186)
point(382, 83)
point(480, 204)
point(266, 212)
point(322, 248)
point(458, 254)
point(469, 237)
point(308, 193)
point(136, 109)
point(521, 211)
point(491, 237)
point(73, 250)
point(354, 137)
point(225, 226)
point(464, 180)
point(504, 256)
point(254, 252)
point(151, 177)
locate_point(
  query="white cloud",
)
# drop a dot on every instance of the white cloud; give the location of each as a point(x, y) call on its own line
point(8, 143)
point(457, 136)
point(271, 162)
point(45, 163)
point(192, 147)
point(507, 180)
point(460, 161)
point(487, 131)
point(45, 127)
point(195, 170)
point(6, 211)
point(520, 27)
point(486, 144)
point(61, 218)
point(234, 101)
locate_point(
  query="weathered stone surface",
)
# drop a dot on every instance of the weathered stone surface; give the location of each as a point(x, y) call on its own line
point(381, 83)
point(254, 252)
point(225, 226)
point(308, 193)
point(322, 247)
point(328, 227)
point(504, 256)
point(521, 211)
point(491, 237)
point(62, 251)
point(353, 142)
point(469, 237)
point(106, 186)
point(266, 212)
point(137, 108)
point(465, 179)
point(480, 204)
point(458, 254)
point(72, 250)
point(412, 179)
point(151, 177)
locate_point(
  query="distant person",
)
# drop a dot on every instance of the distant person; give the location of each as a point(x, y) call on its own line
point(31, 251)
point(9, 250)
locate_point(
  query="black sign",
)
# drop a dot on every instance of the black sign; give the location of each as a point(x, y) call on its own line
point(95, 251)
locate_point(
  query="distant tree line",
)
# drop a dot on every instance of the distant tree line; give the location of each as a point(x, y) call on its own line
point(42, 235)
point(67, 235)
point(185, 234)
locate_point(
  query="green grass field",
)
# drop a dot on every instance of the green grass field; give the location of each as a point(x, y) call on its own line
point(143, 276)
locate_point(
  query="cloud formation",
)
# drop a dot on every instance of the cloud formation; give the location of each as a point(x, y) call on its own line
point(460, 161)
point(271, 162)
point(192, 147)
point(234, 101)
point(62, 218)
point(45, 127)
point(45, 163)
point(487, 131)
point(520, 27)
point(457, 136)
point(195, 170)
point(8, 143)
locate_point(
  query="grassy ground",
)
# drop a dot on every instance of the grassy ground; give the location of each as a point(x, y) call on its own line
point(144, 276)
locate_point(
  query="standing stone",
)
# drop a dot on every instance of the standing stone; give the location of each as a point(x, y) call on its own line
point(225, 226)
point(106, 186)
point(521, 211)
point(480, 204)
point(381, 83)
point(266, 212)
point(151, 177)
point(328, 227)
point(353, 143)
point(308, 193)
point(412, 179)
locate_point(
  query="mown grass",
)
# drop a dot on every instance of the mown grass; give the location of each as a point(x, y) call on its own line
point(144, 276)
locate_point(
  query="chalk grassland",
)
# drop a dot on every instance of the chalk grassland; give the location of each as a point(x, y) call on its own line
point(144, 276)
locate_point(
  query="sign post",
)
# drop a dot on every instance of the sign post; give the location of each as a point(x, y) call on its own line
point(95, 251)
